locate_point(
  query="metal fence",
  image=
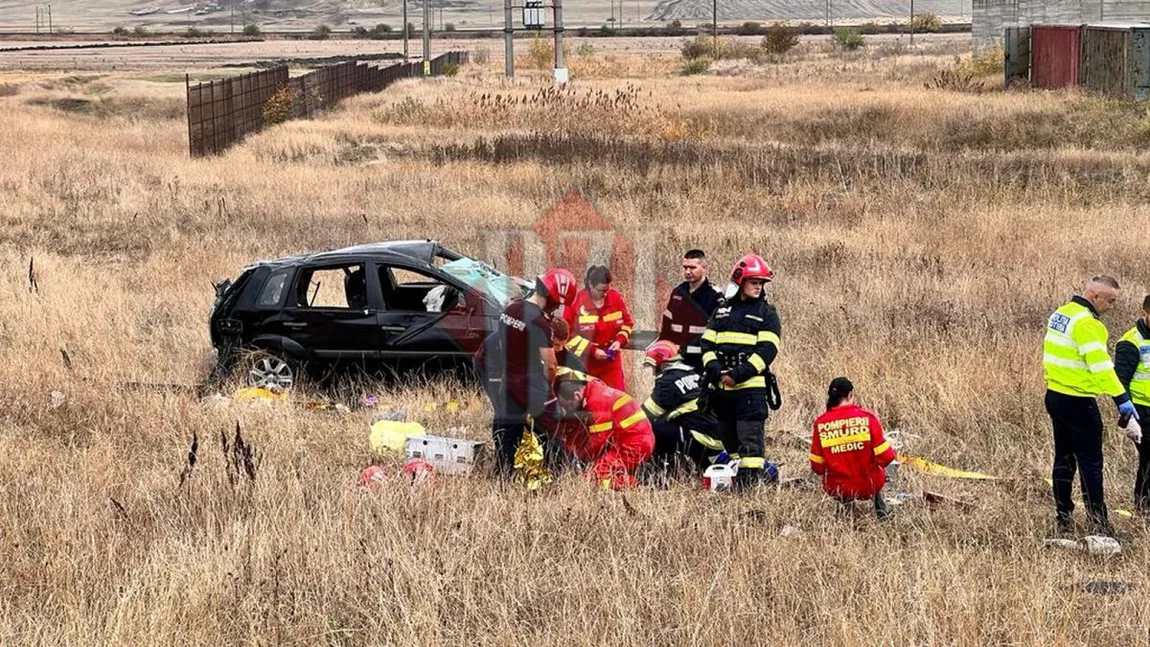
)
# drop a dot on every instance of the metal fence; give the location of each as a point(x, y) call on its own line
point(221, 113)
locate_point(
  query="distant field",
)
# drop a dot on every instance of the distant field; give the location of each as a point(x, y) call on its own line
point(86, 16)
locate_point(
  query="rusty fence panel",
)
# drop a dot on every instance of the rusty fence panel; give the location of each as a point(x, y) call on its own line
point(223, 112)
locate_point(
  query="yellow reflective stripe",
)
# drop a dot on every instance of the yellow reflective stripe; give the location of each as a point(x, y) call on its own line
point(588, 319)
point(707, 441)
point(769, 337)
point(686, 407)
point(626, 329)
point(752, 463)
point(860, 437)
point(652, 408)
point(815, 458)
point(710, 335)
point(757, 362)
point(571, 373)
point(613, 316)
point(881, 449)
point(577, 345)
point(600, 428)
point(621, 402)
point(737, 338)
point(757, 382)
point(632, 419)
point(709, 357)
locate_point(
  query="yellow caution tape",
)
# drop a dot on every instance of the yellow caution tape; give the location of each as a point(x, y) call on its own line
point(530, 467)
point(1119, 511)
point(928, 467)
point(392, 435)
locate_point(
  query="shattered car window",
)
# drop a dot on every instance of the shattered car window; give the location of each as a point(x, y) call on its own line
point(484, 278)
point(273, 290)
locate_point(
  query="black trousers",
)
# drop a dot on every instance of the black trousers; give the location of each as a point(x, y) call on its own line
point(673, 440)
point(510, 421)
point(1142, 482)
point(880, 508)
point(1077, 427)
point(742, 418)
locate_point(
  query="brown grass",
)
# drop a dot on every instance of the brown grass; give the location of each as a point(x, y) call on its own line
point(920, 237)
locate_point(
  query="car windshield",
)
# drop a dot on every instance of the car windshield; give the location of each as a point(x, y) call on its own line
point(484, 278)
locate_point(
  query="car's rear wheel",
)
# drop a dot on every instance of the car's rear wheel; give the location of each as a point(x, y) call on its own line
point(271, 371)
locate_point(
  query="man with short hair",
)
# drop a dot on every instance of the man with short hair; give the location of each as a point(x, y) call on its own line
point(689, 309)
point(1132, 364)
point(1077, 370)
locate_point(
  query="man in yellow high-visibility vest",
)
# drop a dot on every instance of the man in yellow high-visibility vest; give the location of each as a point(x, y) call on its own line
point(1078, 369)
point(1132, 363)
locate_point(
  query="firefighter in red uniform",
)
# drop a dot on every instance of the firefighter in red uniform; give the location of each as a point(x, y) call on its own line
point(739, 344)
point(514, 361)
point(601, 326)
point(849, 451)
point(615, 436)
point(689, 307)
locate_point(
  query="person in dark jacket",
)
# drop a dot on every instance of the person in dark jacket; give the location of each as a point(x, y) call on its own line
point(739, 344)
point(677, 410)
point(1132, 364)
point(689, 307)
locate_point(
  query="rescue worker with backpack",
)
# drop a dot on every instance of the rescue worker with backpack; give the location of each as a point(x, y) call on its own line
point(614, 434)
point(515, 360)
point(682, 424)
point(849, 450)
point(1132, 364)
point(739, 344)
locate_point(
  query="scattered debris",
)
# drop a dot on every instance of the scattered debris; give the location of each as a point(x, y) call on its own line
point(1103, 587)
point(530, 467)
point(372, 477)
point(934, 500)
point(448, 455)
point(394, 414)
point(391, 435)
point(57, 399)
point(418, 471)
point(899, 499)
point(260, 394)
point(789, 530)
point(368, 401)
point(1093, 544)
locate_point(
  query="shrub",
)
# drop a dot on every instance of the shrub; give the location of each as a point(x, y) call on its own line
point(481, 56)
point(926, 23)
point(698, 47)
point(955, 81)
point(195, 33)
point(252, 30)
point(120, 31)
point(585, 49)
point(541, 52)
point(674, 28)
point(694, 66)
point(277, 109)
point(780, 39)
point(450, 69)
point(140, 30)
point(869, 28)
point(322, 32)
point(987, 62)
point(449, 27)
point(359, 32)
point(750, 29)
point(379, 32)
point(849, 39)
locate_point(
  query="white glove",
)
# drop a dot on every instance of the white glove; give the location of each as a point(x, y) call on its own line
point(1134, 431)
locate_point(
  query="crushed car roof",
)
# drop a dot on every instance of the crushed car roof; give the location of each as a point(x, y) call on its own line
point(421, 251)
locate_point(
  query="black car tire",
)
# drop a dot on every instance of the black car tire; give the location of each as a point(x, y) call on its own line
point(269, 369)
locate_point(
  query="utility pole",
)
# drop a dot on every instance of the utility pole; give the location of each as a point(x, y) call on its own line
point(715, 26)
point(427, 37)
point(508, 41)
point(406, 31)
point(912, 22)
point(560, 73)
point(37, 20)
point(49, 19)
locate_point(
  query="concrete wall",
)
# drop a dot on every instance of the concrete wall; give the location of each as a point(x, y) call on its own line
point(990, 17)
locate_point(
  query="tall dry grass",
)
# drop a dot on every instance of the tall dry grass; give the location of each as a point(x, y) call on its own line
point(915, 255)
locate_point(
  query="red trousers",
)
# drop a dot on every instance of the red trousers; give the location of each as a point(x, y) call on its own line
point(614, 455)
point(610, 371)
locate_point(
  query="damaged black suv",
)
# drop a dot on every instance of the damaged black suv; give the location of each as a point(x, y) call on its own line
point(392, 306)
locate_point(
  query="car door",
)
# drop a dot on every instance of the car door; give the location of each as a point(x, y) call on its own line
point(333, 311)
point(426, 316)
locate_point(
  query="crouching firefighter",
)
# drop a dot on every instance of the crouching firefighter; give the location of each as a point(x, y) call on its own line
point(513, 361)
point(614, 437)
point(677, 410)
point(739, 344)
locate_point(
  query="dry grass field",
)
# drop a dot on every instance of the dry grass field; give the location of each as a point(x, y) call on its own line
point(920, 238)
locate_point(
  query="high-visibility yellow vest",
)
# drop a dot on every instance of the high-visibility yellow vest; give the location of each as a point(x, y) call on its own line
point(1074, 354)
point(1140, 385)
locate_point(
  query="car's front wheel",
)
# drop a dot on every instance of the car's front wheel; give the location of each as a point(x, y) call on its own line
point(268, 370)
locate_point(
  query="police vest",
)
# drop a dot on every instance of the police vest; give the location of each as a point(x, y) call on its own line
point(1074, 356)
point(1140, 385)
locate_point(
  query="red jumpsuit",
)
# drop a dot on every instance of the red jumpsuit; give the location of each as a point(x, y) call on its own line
point(849, 450)
point(593, 327)
point(617, 439)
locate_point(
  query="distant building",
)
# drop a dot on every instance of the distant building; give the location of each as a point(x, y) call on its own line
point(991, 17)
